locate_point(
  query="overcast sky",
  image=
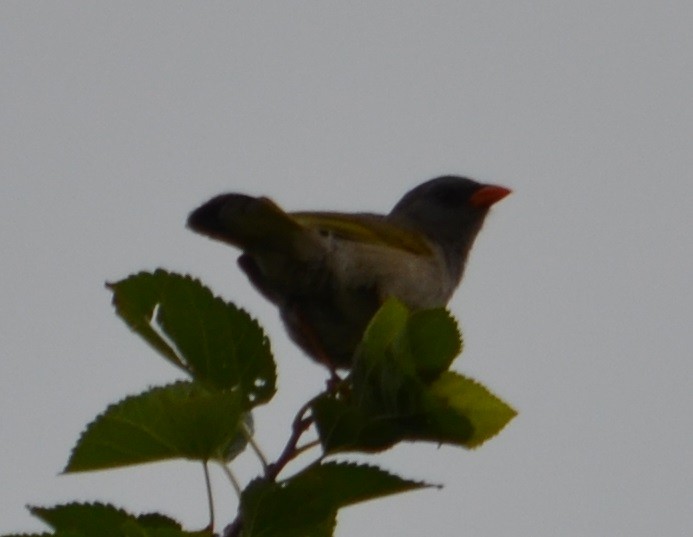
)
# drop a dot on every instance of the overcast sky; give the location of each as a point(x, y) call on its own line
point(117, 119)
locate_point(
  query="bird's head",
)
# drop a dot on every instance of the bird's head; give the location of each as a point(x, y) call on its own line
point(450, 211)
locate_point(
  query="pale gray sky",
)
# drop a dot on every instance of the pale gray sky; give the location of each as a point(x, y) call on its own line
point(116, 119)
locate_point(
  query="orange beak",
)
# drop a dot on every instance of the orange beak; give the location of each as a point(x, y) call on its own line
point(487, 195)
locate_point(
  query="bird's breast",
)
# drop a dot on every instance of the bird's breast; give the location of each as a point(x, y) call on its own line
point(420, 281)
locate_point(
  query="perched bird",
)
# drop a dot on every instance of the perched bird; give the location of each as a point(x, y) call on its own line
point(329, 272)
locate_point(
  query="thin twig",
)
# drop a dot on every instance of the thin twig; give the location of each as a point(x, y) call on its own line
point(299, 425)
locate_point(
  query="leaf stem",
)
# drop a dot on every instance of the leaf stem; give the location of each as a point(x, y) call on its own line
point(300, 424)
point(232, 478)
point(210, 500)
point(253, 444)
point(307, 446)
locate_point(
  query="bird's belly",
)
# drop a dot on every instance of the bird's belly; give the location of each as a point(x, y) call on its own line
point(418, 281)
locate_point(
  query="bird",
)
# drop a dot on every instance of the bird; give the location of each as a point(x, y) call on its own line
point(329, 272)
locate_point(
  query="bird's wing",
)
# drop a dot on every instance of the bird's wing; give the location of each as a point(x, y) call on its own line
point(364, 227)
point(258, 224)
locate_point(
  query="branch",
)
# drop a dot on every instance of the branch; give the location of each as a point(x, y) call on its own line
point(290, 452)
point(300, 424)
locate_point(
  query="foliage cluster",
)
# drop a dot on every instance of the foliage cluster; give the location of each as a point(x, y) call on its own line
point(400, 388)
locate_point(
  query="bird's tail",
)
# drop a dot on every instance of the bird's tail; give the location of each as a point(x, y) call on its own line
point(251, 224)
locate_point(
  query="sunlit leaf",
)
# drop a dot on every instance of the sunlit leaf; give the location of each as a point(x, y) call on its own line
point(466, 397)
point(385, 327)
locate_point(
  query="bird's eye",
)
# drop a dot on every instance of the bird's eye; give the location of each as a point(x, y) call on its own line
point(452, 196)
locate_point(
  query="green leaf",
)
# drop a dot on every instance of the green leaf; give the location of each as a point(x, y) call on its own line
point(385, 327)
point(85, 518)
point(345, 427)
point(131, 529)
point(215, 342)
point(384, 378)
point(434, 341)
point(103, 520)
point(67, 533)
point(240, 442)
point(486, 412)
point(306, 504)
point(182, 420)
point(401, 390)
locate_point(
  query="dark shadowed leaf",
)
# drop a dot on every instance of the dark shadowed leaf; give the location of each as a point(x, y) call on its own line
point(346, 427)
point(214, 341)
point(65, 533)
point(182, 420)
point(349, 426)
point(307, 503)
point(102, 520)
